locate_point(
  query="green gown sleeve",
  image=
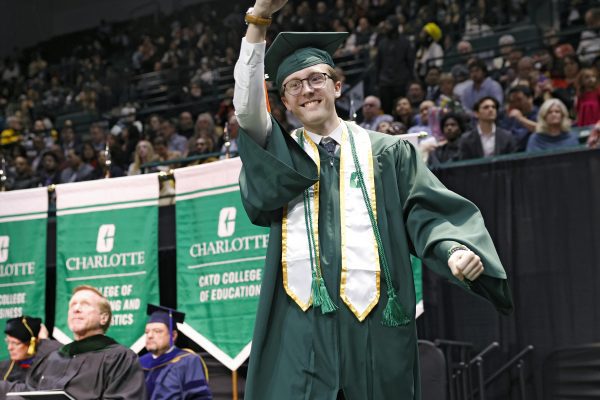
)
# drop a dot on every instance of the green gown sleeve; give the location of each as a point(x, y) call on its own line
point(272, 176)
point(437, 219)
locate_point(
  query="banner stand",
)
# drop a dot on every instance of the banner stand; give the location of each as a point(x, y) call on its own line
point(234, 384)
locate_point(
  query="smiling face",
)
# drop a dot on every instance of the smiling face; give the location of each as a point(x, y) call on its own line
point(315, 108)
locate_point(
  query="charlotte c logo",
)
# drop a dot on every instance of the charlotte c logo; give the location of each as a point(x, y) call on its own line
point(106, 238)
point(227, 221)
point(4, 241)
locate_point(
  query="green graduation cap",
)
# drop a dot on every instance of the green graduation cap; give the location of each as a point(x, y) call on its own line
point(293, 51)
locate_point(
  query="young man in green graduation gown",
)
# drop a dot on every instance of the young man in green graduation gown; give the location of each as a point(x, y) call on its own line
point(346, 208)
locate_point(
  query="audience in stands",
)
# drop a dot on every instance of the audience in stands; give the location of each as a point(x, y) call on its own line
point(164, 154)
point(175, 141)
point(144, 153)
point(587, 102)
point(589, 42)
point(423, 123)
point(430, 52)
point(432, 82)
point(186, 124)
point(479, 86)
point(178, 70)
point(487, 139)
point(522, 114)
point(204, 147)
point(593, 140)
point(372, 114)
point(106, 170)
point(403, 112)
point(553, 128)
point(394, 63)
point(49, 173)
point(452, 127)
point(77, 170)
point(21, 176)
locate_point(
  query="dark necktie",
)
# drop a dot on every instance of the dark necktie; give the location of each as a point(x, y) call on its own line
point(329, 145)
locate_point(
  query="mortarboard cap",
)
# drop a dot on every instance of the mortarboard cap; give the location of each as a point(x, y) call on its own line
point(293, 51)
point(165, 315)
point(25, 329)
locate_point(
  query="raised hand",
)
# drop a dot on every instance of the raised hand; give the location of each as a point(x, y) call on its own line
point(266, 8)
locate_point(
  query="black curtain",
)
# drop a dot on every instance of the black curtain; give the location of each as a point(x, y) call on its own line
point(543, 214)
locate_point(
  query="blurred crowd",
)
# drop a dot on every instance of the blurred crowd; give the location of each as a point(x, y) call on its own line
point(423, 74)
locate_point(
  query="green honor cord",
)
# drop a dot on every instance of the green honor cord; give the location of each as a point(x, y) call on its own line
point(393, 314)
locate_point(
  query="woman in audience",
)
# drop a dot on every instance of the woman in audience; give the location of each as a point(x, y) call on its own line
point(587, 102)
point(144, 153)
point(553, 128)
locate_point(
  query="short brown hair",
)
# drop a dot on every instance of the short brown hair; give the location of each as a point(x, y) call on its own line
point(104, 305)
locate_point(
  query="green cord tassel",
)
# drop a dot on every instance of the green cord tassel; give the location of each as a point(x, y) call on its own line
point(316, 295)
point(321, 296)
point(394, 315)
point(327, 305)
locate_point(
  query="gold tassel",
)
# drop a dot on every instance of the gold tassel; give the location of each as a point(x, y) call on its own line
point(31, 349)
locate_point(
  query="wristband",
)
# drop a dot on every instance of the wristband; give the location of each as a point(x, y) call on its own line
point(255, 20)
point(454, 249)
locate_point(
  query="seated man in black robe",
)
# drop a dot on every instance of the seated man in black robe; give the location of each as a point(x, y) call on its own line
point(94, 366)
point(26, 341)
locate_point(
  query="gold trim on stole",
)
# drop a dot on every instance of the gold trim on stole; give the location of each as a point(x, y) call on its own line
point(284, 224)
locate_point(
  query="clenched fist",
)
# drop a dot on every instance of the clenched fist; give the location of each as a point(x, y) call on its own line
point(465, 264)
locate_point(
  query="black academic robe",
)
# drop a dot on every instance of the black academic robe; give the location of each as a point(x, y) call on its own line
point(90, 369)
point(309, 355)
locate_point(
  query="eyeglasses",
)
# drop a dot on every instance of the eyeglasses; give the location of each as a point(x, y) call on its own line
point(316, 80)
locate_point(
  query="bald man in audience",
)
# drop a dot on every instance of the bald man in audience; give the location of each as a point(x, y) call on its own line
point(372, 113)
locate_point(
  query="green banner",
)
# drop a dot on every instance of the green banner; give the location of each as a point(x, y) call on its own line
point(23, 226)
point(220, 260)
point(110, 241)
